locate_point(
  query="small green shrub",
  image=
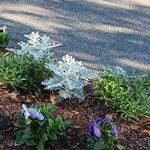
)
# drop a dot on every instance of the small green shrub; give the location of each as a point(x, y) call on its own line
point(129, 95)
point(4, 39)
point(38, 125)
point(23, 73)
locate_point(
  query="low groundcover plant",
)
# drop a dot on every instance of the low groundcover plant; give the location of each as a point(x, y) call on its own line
point(37, 125)
point(103, 135)
point(22, 73)
point(128, 95)
point(69, 78)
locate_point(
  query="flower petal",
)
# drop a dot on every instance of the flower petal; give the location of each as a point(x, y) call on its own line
point(35, 114)
point(97, 131)
point(25, 112)
point(114, 131)
point(99, 120)
point(94, 130)
point(106, 120)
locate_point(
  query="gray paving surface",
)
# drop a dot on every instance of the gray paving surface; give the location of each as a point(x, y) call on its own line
point(98, 32)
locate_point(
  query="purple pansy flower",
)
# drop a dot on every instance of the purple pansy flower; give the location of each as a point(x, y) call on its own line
point(114, 131)
point(31, 112)
point(95, 130)
point(106, 120)
point(99, 120)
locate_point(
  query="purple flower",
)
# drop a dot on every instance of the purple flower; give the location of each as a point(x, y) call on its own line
point(35, 114)
point(31, 112)
point(99, 120)
point(114, 131)
point(106, 120)
point(95, 130)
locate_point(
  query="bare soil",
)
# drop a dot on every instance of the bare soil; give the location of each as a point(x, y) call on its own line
point(133, 135)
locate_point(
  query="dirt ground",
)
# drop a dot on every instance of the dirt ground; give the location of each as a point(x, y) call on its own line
point(133, 135)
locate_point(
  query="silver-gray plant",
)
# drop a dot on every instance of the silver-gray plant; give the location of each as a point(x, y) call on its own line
point(117, 70)
point(69, 78)
point(38, 47)
point(3, 28)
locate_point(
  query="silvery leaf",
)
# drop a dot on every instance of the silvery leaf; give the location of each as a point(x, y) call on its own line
point(38, 47)
point(52, 84)
point(69, 77)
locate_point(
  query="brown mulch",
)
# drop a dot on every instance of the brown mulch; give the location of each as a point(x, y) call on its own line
point(133, 135)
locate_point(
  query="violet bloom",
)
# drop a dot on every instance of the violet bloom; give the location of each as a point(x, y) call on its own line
point(95, 130)
point(114, 131)
point(31, 112)
point(106, 120)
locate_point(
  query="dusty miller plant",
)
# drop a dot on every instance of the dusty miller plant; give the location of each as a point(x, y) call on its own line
point(69, 78)
point(38, 47)
point(4, 37)
point(117, 70)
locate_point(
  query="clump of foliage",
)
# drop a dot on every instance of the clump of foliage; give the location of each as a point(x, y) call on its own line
point(69, 78)
point(37, 47)
point(38, 125)
point(103, 135)
point(4, 38)
point(23, 73)
point(129, 95)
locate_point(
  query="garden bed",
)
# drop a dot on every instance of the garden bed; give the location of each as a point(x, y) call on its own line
point(133, 135)
point(113, 110)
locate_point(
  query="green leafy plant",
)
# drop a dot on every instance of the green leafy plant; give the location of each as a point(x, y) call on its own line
point(4, 38)
point(69, 78)
point(103, 135)
point(23, 73)
point(38, 125)
point(128, 95)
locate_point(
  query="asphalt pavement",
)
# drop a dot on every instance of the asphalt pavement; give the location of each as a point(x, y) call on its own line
point(100, 33)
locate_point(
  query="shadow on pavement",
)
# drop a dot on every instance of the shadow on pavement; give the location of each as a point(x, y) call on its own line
point(98, 32)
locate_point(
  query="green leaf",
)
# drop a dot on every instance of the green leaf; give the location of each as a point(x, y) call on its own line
point(21, 121)
point(30, 142)
point(40, 145)
point(99, 145)
point(28, 122)
point(51, 108)
point(67, 123)
point(53, 136)
point(41, 123)
point(19, 140)
point(59, 119)
point(50, 123)
point(44, 137)
point(59, 122)
point(27, 133)
point(120, 147)
point(27, 136)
